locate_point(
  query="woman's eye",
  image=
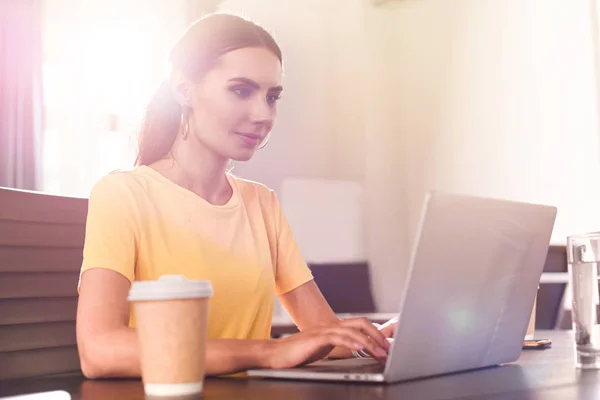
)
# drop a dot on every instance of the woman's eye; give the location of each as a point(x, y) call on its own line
point(272, 98)
point(244, 93)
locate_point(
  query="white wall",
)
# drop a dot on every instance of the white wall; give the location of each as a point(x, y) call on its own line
point(493, 98)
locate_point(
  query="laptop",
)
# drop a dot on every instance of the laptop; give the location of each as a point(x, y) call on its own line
point(471, 283)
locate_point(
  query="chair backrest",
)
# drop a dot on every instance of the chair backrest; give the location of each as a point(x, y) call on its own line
point(550, 295)
point(345, 286)
point(41, 250)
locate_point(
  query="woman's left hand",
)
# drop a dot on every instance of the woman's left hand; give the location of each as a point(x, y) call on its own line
point(388, 328)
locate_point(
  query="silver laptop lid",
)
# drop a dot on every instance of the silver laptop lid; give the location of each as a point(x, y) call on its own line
point(471, 285)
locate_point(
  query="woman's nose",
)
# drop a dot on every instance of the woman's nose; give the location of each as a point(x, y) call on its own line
point(261, 111)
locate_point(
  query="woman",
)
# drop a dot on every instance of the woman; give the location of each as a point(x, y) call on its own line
point(181, 212)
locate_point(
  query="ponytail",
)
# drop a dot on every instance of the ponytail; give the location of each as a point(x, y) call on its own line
point(160, 126)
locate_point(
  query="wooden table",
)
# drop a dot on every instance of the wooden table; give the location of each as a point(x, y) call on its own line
point(539, 374)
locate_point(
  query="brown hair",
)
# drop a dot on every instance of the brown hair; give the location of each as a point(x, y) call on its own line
point(196, 52)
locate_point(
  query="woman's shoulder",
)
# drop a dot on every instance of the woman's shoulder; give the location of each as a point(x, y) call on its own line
point(118, 182)
point(250, 190)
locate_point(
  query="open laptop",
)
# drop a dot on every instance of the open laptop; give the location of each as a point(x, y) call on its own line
point(470, 287)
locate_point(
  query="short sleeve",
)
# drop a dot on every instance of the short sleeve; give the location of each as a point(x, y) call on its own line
point(291, 268)
point(110, 232)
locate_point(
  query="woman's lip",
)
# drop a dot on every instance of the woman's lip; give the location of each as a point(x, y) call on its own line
point(249, 135)
point(249, 139)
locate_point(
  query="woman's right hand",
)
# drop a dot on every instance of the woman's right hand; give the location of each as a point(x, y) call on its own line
point(316, 343)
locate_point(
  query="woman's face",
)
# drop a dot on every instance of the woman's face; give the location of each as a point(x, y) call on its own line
point(234, 106)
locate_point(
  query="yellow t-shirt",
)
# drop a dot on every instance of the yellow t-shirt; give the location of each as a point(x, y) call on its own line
point(143, 225)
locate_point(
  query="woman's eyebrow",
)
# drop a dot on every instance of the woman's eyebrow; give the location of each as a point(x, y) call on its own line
point(254, 84)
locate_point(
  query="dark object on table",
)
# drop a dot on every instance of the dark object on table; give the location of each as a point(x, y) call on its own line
point(537, 344)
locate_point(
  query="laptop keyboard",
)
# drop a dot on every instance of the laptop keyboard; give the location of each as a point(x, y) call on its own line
point(352, 365)
point(365, 369)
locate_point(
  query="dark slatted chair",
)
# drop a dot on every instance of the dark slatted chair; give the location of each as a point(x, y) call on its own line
point(549, 301)
point(41, 244)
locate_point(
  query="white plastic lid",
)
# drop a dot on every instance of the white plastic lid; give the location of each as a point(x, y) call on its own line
point(169, 287)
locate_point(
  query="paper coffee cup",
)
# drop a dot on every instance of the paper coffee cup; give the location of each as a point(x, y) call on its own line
point(171, 316)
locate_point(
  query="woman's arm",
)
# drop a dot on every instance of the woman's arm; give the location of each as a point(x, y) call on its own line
point(109, 348)
point(309, 309)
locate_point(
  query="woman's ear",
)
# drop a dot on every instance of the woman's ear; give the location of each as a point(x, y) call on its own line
point(181, 88)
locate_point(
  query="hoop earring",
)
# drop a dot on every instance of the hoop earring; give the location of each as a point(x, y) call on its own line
point(263, 144)
point(184, 125)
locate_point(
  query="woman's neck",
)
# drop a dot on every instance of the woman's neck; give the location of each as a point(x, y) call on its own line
point(197, 169)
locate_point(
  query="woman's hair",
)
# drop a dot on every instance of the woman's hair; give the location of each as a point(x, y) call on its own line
point(196, 52)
